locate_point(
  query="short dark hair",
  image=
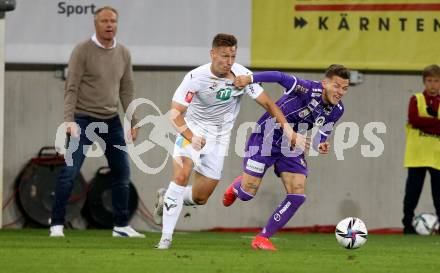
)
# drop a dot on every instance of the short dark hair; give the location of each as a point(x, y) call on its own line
point(223, 39)
point(110, 8)
point(432, 70)
point(337, 70)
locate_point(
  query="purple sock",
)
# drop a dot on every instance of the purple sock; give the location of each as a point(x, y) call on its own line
point(282, 214)
point(240, 193)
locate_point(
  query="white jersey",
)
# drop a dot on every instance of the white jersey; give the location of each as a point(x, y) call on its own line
point(213, 103)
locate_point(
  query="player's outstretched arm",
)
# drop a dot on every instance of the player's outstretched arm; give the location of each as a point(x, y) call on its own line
point(282, 79)
point(177, 119)
point(296, 139)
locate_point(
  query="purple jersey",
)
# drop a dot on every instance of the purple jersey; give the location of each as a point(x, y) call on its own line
point(303, 107)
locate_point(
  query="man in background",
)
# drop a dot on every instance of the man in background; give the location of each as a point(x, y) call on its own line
point(100, 74)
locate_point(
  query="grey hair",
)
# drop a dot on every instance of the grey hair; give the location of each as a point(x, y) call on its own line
point(110, 8)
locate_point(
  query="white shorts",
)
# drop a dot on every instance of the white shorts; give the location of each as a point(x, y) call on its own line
point(208, 161)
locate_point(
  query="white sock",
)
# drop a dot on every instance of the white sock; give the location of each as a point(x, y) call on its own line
point(172, 206)
point(188, 197)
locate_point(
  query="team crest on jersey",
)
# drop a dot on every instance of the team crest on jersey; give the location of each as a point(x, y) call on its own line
point(319, 121)
point(189, 96)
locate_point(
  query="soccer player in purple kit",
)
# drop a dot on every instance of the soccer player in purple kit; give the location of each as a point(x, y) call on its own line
point(305, 104)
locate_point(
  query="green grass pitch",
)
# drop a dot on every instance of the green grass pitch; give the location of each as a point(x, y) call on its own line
point(32, 251)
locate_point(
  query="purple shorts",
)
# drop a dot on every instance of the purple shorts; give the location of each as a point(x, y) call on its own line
point(258, 159)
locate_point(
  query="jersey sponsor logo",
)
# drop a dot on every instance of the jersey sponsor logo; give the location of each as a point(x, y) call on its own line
point(304, 113)
point(189, 96)
point(224, 93)
point(255, 166)
point(300, 88)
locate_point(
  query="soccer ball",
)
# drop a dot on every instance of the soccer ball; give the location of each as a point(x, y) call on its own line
point(426, 224)
point(351, 233)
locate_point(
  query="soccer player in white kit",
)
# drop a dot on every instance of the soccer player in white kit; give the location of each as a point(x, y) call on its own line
point(204, 108)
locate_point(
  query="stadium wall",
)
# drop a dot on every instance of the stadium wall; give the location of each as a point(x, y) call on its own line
point(166, 33)
point(367, 187)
